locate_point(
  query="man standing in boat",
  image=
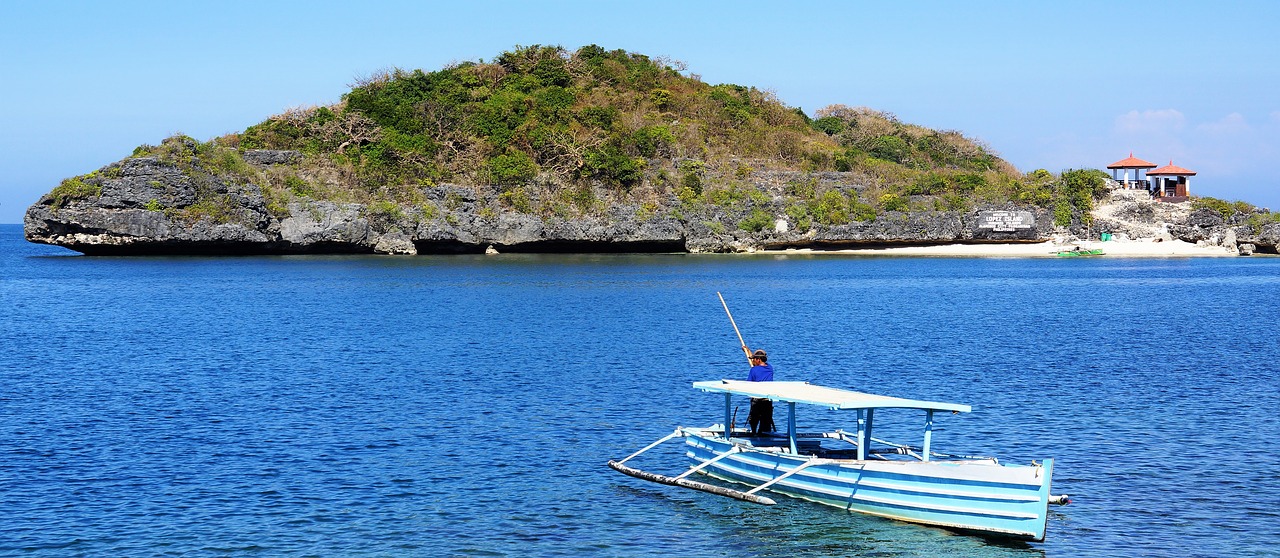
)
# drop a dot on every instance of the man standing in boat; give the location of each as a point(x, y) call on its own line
point(761, 416)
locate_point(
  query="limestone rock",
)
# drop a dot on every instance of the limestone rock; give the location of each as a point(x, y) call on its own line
point(148, 206)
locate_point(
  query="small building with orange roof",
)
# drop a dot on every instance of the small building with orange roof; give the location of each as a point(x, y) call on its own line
point(1172, 183)
point(1137, 165)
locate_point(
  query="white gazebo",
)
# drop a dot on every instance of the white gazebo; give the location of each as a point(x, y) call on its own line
point(1137, 165)
point(1172, 183)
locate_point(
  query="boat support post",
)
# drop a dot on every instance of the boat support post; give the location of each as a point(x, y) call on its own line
point(928, 434)
point(728, 418)
point(678, 432)
point(707, 463)
point(791, 425)
point(864, 432)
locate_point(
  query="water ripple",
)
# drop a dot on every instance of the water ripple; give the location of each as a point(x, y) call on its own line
point(466, 406)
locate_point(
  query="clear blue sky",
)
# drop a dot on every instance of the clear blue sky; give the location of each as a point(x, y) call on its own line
point(1052, 85)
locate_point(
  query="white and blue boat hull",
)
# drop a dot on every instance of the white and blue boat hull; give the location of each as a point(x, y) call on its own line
point(970, 495)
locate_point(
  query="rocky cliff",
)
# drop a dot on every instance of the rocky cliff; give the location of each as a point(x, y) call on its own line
point(1134, 214)
point(143, 205)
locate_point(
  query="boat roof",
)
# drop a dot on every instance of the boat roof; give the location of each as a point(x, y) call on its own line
point(832, 398)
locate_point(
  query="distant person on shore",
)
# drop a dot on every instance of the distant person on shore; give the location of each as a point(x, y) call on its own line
point(761, 416)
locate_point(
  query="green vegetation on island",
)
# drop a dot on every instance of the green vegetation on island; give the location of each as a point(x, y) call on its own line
point(562, 133)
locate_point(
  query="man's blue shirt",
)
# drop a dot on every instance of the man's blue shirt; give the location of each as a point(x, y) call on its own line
point(761, 373)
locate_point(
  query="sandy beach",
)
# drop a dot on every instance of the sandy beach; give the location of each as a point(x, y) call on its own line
point(1143, 248)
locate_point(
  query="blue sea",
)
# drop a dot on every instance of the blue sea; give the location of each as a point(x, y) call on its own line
point(467, 405)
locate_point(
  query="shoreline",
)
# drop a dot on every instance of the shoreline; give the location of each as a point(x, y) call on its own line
point(1145, 248)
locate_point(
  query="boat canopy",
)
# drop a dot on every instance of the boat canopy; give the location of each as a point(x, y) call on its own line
point(832, 398)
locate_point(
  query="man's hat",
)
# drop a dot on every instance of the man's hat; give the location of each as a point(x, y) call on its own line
point(760, 354)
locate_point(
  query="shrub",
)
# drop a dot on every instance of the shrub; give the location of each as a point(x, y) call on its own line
point(1062, 213)
point(799, 213)
point(429, 211)
point(598, 117)
point(650, 140)
point(688, 195)
point(552, 71)
point(831, 208)
point(691, 175)
point(758, 220)
point(1079, 188)
point(893, 201)
point(928, 184)
point(1259, 220)
point(891, 148)
point(734, 102)
point(517, 199)
point(1088, 183)
point(216, 208)
point(952, 201)
point(804, 189)
point(818, 160)
point(1040, 176)
point(299, 187)
point(385, 209)
point(73, 189)
point(1224, 208)
point(969, 182)
point(829, 125)
point(661, 98)
point(582, 197)
point(612, 165)
point(229, 161)
point(861, 211)
point(646, 211)
point(513, 167)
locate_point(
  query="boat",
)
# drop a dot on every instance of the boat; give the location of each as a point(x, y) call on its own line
point(856, 471)
point(1078, 251)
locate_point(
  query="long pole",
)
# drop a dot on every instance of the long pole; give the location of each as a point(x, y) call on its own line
point(745, 350)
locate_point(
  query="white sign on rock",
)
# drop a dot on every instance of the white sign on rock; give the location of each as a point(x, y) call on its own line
point(1006, 221)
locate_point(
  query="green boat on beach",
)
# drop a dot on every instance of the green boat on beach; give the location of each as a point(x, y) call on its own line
point(1077, 252)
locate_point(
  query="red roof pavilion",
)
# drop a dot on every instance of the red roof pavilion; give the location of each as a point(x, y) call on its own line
point(1132, 162)
point(1137, 165)
point(1171, 183)
point(1171, 170)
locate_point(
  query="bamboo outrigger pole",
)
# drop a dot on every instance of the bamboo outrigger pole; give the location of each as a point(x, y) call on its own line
point(745, 350)
point(694, 485)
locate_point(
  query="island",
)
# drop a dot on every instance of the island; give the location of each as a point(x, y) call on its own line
point(544, 149)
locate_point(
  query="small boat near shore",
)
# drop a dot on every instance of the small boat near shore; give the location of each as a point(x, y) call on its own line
point(855, 471)
point(1079, 252)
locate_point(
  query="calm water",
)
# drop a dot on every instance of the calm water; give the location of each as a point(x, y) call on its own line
point(466, 406)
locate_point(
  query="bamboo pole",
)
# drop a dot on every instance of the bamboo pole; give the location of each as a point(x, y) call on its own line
point(694, 485)
point(745, 350)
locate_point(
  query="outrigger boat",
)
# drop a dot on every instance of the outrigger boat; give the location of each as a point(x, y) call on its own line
point(858, 472)
point(1079, 252)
